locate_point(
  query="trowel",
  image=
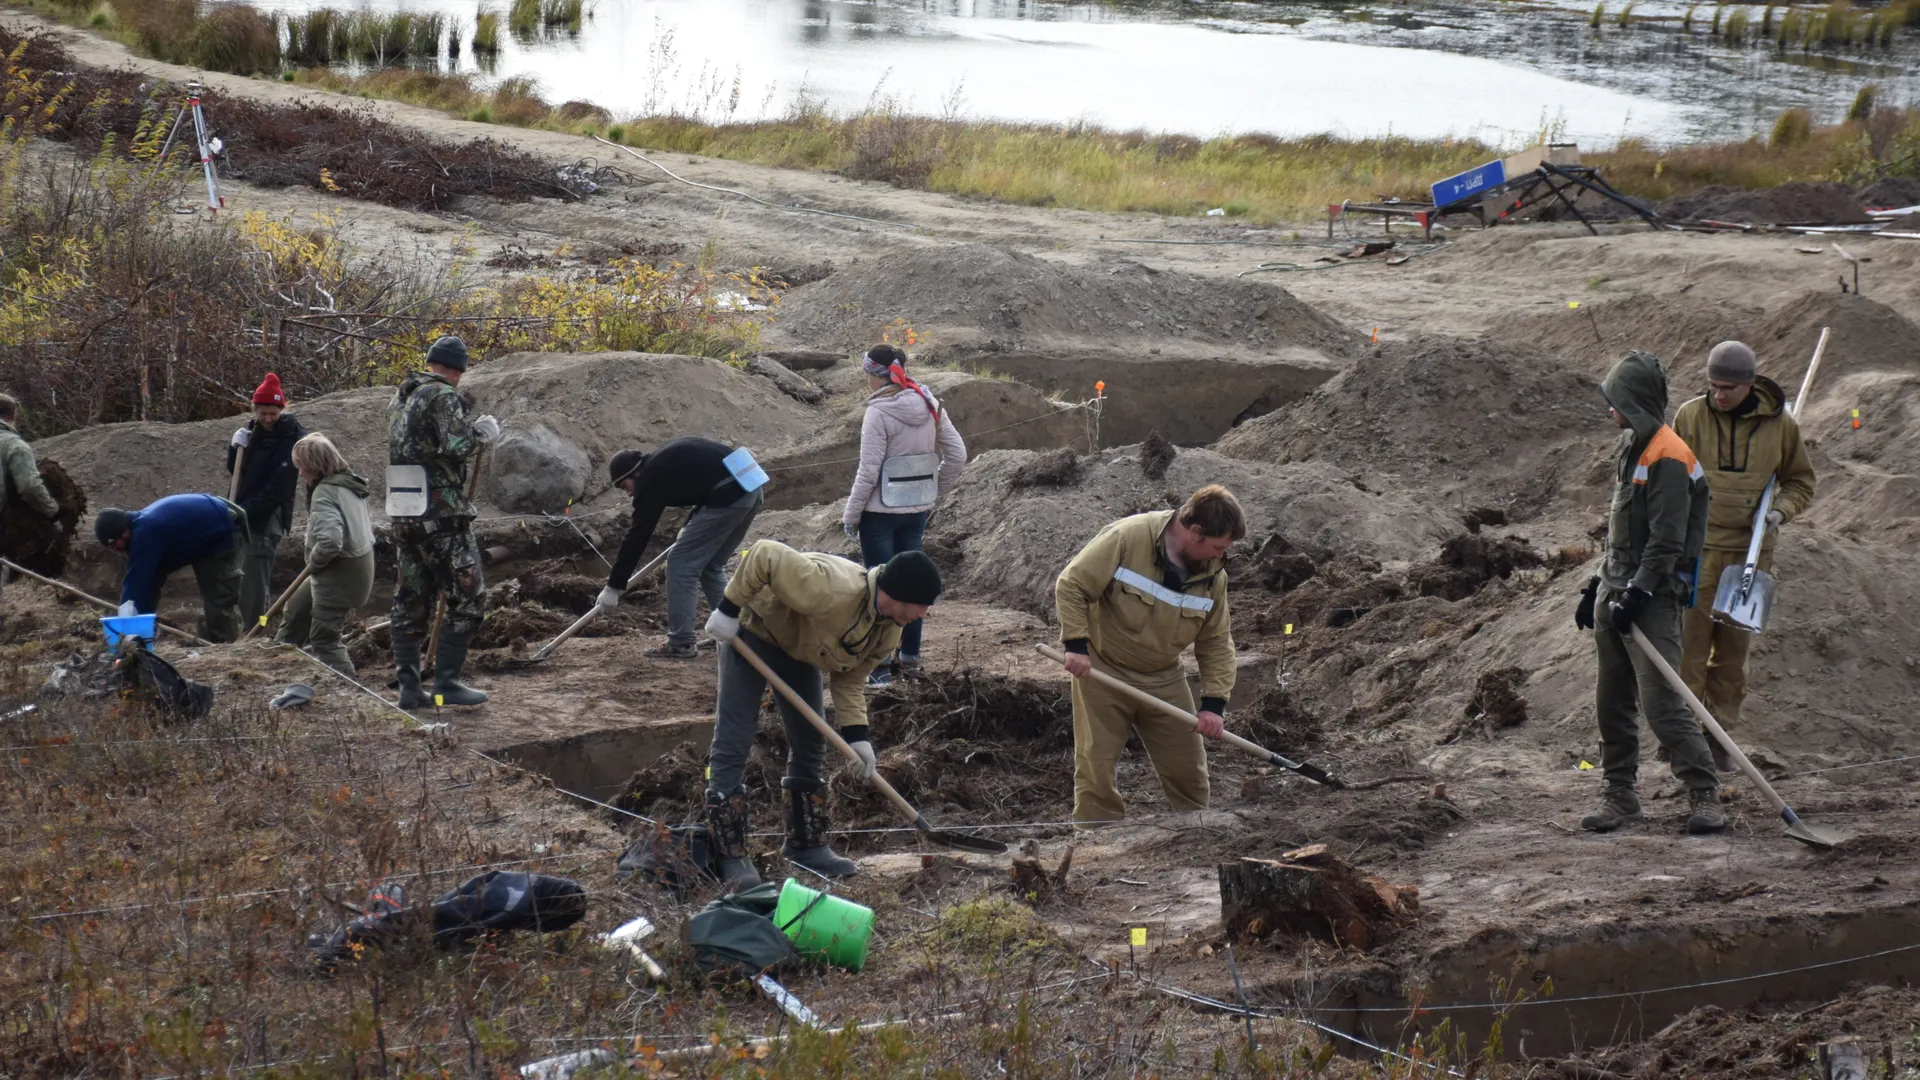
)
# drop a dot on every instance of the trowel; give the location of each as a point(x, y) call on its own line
point(1796, 828)
point(1744, 597)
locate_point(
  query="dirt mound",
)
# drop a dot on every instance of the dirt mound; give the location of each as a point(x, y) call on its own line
point(1789, 204)
point(1910, 223)
point(1012, 542)
point(1458, 420)
point(600, 402)
point(31, 540)
point(1890, 193)
point(977, 297)
point(1056, 468)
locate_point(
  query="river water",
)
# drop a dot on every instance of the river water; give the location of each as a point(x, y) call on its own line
point(1500, 71)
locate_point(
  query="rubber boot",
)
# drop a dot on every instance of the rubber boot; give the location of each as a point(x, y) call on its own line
point(406, 659)
point(807, 829)
point(727, 832)
point(1706, 815)
point(447, 686)
point(1617, 807)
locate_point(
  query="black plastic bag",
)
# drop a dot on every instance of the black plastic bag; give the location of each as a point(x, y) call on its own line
point(496, 901)
point(149, 682)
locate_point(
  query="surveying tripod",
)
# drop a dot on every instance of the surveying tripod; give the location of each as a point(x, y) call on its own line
point(208, 146)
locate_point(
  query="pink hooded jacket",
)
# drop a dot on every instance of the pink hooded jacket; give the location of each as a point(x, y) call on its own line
point(898, 423)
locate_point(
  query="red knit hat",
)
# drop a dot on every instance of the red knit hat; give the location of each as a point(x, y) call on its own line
point(270, 392)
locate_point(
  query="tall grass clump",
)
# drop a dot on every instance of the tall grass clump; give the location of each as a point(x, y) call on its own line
point(1791, 128)
point(1862, 108)
point(1737, 25)
point(1599, 15)
point(486, 33)
point(310, 36)
point(1626, 14)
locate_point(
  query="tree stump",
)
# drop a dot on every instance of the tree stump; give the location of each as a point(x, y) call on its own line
point(1313, 893)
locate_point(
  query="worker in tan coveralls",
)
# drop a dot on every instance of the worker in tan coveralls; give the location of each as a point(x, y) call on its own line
point(1744, 438)
point(1131, 602)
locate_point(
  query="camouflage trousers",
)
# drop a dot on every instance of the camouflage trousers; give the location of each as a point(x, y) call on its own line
point(440, 558)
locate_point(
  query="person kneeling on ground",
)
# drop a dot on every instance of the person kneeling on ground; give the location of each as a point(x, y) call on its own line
point(1132, 601)
point(802, 614)
point(1654, 536)
point(205, 532)
point(695, 472)
point(339, 552)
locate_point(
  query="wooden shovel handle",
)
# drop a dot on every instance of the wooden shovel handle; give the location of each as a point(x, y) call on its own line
point(1707, 721)
point(820, 724)
point(305, 573)
point(1152, 702)
point(107, 605)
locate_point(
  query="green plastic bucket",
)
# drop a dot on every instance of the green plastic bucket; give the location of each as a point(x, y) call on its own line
point(823, 926)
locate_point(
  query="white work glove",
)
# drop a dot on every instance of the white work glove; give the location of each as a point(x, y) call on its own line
point(608, 599)
point(722, 626)
point(487, 429)
point(852, 531)
point(866, 767)
point(242, 437)
point(1775, 519)
point(127, 610)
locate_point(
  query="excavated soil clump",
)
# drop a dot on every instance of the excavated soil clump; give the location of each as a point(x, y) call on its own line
point(1055, 468)
point(34, 542)
point(1789, 204)
point(1890, 193)
point(1470, 561)
point(981, 297)
point(1481, 422)
point(1156, 453)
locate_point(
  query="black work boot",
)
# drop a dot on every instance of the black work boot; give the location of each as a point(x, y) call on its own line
point(727, 832)
point(1706, 815)
point(807, 829)
point(406, 659)
point(447, 687)
point(1617, 807)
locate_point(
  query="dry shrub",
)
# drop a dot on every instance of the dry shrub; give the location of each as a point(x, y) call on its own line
point(894, 148)
point(234, 38)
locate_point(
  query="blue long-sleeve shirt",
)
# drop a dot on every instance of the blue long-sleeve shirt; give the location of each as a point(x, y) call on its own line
point(169, 534)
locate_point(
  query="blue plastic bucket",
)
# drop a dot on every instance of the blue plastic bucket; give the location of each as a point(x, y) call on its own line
point(119, 626)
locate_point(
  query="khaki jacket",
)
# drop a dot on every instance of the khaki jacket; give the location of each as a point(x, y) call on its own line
point(821, 610)
point(1742, 453)
point(20, 474)
point(1113, 594)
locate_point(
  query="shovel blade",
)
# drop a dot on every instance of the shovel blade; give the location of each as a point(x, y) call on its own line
point(1807, 834)
point(1747, 612)
point(955, 839)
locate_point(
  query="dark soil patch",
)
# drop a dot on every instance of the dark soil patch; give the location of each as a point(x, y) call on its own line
point(1788, 204)
point(1468, 562)
point(1156, 454)
point(519, 628)
point(1891, 193)
point(361, 156)
point(556, 584)
point(1277, 565)
point(1395, 821)
point(671, 788)
point(1055, 468)
point(31, 540)
point(1910, 223)
point(1496, 703)
point(1279, 721)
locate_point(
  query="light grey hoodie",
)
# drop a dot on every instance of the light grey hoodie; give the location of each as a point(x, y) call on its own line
point(901, 422)
point(338, 526)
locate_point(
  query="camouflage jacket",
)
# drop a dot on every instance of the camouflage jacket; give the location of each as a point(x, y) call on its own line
point(427, 425)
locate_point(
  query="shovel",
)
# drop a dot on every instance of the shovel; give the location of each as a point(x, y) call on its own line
point(579, 624)
point(1744, 597)
point(1796, 828)
point(107, 605)
point(947, 837)
point(305, 573)
point(1311, 772)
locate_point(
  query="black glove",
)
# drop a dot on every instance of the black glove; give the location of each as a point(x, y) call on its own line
point(1583, 615)
point(1626, 609)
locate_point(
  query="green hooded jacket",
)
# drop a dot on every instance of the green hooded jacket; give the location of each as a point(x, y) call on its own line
point(338, 525)
point(1658, 522)
point(20, 474)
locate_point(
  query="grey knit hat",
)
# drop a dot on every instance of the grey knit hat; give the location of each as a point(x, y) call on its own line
point(1733, 362)
point(448, 352)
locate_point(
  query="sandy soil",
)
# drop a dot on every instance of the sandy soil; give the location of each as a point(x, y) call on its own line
point(1478, 398)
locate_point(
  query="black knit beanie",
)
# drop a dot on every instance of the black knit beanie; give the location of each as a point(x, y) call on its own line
point(624, 464)
point(448, 352)
point(111, 525)
point(911, 578)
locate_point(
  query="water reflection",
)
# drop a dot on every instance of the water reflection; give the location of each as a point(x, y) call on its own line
point(1500, 71)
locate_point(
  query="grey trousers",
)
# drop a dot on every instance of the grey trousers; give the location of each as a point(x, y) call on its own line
point(699, 561)
point(1630, 686)
point(318, 610)
point(219, 579)
point(256, 572)
point(737, 718)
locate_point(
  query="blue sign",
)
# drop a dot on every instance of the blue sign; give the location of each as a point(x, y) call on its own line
point(1470, 183)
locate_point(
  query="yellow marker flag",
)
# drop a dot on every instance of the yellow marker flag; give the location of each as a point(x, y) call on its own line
point(263, 620)
point(1289, 629)
point(1138, 937)
point(1573, 304)
point(1585, 766)
point(439, 702)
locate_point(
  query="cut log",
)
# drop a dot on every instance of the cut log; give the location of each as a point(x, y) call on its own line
point(1312, 892)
